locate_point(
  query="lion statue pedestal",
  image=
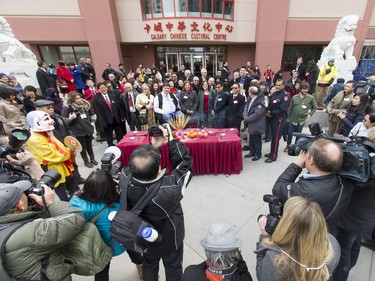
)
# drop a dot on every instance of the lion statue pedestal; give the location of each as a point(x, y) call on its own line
point(341, 48)
point(15, 58)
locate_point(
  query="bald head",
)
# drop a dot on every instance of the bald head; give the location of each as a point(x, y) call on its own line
point(327, 155)
point(144, 163)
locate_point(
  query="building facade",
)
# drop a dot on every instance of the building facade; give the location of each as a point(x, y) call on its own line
point(196, 33)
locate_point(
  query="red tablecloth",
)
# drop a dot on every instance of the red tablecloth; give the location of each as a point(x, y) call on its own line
point(219, 153)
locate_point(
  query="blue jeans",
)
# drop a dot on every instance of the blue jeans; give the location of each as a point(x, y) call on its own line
point(350, 244)
point(169, 116)
point(293, 129)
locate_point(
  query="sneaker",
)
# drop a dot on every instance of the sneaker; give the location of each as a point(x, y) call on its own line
point(93, 161)
point(286, 149)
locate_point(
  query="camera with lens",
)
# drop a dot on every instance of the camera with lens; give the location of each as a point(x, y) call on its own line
point(359, 153)
point(107, 159)
point(154, 131)
point(49, 178)
point(16, 139)
point(276, 211)
point(304, 140)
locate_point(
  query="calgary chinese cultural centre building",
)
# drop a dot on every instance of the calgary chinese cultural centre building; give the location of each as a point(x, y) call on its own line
point(196, 33)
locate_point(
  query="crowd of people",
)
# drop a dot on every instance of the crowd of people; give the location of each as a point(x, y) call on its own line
point(322, 224)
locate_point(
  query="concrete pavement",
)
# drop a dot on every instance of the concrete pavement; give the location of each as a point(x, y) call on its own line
point(235, 199)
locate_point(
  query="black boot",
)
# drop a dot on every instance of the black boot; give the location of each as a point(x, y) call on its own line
point(93, 161)
point(87, 163)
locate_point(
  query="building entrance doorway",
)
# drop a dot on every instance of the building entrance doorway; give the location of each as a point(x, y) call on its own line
point(193, 58)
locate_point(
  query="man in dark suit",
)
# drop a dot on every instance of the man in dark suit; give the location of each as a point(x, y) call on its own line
point(127, 107)
point(219, 107)
point(108, 114)
point(44, 79)
point(244, 79)
point(90, 69)
point(236, 104)
point(301, 68)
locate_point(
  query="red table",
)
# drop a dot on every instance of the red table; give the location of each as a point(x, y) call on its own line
point(219, 153)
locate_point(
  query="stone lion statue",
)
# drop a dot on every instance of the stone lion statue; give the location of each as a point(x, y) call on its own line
point(11, 49)
point(342, 45)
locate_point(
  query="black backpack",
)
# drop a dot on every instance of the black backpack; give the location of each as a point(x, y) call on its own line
point(127, 226)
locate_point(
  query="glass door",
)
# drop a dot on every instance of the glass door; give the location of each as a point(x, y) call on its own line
point(172, 62)
point(185, 59)
point(197, 59)
point(211, 63)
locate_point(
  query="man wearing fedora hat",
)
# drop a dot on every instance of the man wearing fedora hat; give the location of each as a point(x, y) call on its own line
point(224, 260)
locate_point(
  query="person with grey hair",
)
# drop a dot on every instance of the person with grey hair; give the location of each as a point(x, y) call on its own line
point(255, 116)
point(224, 260)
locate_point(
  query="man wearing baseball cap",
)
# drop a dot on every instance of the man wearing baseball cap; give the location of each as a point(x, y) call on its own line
point(224, 260)
point(327, 75)
point(33, 251)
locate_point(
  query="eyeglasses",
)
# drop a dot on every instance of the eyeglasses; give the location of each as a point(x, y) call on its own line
point(234, 87)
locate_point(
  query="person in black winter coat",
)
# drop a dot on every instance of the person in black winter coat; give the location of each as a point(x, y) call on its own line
point(255, 116)
point(321, 184)
point(53, 95)
point(81, 125)
point(164, 211)
point(312, 75)
point(355, 113)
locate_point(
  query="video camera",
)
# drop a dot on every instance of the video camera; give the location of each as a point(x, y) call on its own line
point(110, 155)
point(49, 178)
point(358, 153)
point(276, 211)
point(17, 138)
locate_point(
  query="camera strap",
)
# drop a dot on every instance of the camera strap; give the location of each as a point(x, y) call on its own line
point(338, 199)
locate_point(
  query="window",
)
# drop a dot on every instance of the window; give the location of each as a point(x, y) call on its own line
point(156, 9)
point(146, 10)
point(180, 8)
point(207, 9)
point(291, 53)
point(53, 53)
point(218, 9)
point(194, 8)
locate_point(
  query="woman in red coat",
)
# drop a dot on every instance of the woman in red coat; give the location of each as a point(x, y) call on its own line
point(65, 78)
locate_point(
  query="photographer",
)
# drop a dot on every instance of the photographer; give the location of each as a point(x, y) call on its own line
point(300, 249)
point(164, 211)
point(13, 159)
point(34, 250)
point(321, 184)
point(357, 222)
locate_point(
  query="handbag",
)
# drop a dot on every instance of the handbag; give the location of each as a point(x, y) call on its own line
point(127, 226)
point(142, 118)
point(61, 83)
